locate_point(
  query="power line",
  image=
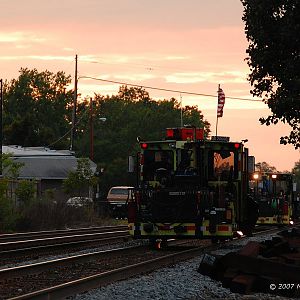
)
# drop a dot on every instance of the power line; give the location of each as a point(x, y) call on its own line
point(165, 90)
point(69, 131)
point(146, 87)
point(123, 64)
point(59, 139)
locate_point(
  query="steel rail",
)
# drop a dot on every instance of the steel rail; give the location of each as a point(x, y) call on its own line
point(10, 237)
point(81, 285)
point(75, 259)
point(60, 239)
point(97, 241)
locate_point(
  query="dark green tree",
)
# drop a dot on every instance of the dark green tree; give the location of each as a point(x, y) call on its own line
point(272, 29)
point(25, 191)
point(80, 180)
point(37, 108)
point(11, 170)
point(129, 114)
point(265, 167)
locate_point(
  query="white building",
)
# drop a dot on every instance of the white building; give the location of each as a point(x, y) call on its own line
point(48, 167)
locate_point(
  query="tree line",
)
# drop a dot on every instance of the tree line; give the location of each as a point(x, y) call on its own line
point(37, 111)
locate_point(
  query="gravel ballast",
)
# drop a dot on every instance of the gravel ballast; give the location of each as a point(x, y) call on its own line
point(181, 281)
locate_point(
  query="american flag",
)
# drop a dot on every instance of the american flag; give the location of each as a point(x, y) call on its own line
point(221, 102)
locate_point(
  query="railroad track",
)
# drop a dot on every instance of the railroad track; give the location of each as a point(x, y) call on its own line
point(22, 247)
point(18, 242)
point(23, 236)
point(81, 273)
point(14, 281)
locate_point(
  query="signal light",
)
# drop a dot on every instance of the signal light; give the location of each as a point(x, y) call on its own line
point(183, 134)
point(170, 133)
point(144, 146)
point(236, 145)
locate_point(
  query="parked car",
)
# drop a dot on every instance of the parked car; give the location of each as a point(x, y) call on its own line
point(80, 201)
point(117, 199)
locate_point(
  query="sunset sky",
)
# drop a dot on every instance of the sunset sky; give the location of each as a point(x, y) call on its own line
point(188, 46)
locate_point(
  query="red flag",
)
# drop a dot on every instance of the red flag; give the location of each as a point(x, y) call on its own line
point(221, 102)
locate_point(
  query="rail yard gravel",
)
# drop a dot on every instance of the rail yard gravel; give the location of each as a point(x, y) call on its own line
point(181, 281)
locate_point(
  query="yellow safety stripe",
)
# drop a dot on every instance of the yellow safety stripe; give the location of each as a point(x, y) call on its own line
point(273, 220)
point(224, 230)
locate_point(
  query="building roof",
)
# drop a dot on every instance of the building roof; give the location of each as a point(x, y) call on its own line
point(43, 163)
point(16, 150)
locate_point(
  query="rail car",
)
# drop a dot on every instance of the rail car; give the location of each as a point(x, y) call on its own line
point(191, 187)
point(274, 193)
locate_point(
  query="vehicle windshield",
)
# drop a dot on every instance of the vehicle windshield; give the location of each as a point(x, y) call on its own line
point(222, 165)
point(118, 191)
point(155, 160)
point(184, 163)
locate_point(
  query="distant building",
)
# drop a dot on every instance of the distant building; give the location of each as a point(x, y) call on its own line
point(47, 167)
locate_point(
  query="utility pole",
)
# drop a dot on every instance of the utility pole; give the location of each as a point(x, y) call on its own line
point(73, 129)
point(1, 126)
point(91, 131)
point(181, 113)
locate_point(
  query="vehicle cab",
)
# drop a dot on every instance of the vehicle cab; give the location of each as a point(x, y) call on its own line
point(117, 199)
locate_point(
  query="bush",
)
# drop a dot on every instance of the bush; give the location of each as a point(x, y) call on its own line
point(47, 214)
point(8, 217)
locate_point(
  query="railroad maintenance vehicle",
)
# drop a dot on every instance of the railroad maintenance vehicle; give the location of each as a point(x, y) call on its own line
point(190, 186)
point(274, 193)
